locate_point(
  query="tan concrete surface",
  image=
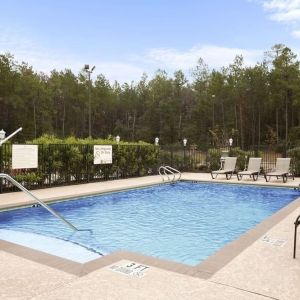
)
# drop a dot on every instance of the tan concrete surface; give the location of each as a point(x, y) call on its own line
point(23, 279)
point(156, 284)
point(246, 180)
point(261, 271)
point(265, 268)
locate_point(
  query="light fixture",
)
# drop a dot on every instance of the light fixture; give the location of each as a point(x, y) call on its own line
point(2, 134)
point(156, 141)
point(184, 142)
point(89, 72)
point(230, 142)
point(4, 139)
point(118, 139)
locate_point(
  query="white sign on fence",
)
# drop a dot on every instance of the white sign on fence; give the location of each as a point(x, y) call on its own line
point(102, 154)
point(24, 156)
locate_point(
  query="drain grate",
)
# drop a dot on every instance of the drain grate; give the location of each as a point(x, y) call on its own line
point(274, 241)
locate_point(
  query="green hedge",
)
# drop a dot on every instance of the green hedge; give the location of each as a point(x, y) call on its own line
point(71, 161)
point(294, 154)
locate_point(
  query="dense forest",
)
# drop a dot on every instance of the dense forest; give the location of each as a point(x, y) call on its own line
point(255, 105)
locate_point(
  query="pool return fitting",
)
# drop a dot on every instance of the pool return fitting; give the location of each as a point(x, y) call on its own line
point(22, 188)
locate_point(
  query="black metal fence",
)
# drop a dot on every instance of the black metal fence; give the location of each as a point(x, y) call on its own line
point(65, 164)
point(191, 159)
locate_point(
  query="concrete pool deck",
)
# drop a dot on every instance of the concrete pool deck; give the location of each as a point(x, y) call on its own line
point(252, 267)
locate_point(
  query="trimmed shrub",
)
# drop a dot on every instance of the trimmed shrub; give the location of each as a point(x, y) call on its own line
point(294, 154)
point(71, 161)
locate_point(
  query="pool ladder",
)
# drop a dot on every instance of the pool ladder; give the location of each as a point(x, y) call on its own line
point(169, 174)
point(53, 212)
point(297, 223)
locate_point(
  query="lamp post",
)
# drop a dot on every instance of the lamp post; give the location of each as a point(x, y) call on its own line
point(184, 145)
point(213, 110)
point(230, 143)
point(156, 148)
point(89, 72)
point(118, 141)
point(2, 137)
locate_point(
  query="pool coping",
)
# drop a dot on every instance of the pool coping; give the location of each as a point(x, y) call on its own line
point(203, 270)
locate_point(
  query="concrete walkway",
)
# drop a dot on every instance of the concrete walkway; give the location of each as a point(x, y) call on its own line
point(261, 271)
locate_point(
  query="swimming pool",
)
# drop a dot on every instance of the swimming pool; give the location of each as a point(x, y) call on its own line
point(184, 222)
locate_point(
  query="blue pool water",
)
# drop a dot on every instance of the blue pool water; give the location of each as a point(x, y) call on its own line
point(184, 222)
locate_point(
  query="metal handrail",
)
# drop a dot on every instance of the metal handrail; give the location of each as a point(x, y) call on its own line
point(162, 175)
point(297, 223)
point(167, 170)
point(22, 188)
point(174, 170)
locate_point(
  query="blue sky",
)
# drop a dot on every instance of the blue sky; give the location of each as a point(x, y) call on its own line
point(124, 38)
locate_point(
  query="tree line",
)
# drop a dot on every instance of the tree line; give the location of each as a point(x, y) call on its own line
point(255, 105)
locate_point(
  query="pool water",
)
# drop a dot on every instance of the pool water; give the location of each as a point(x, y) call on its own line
point(184, 222)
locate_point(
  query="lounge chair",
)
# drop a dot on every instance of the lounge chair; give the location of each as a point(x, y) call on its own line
point(282, 169)
point(253, 169)
point(229, 167)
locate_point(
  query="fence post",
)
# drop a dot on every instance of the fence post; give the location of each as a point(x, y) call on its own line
point(1, 168)
point(50, 164)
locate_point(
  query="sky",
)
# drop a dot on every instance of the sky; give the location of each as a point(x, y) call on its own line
point(126, 38)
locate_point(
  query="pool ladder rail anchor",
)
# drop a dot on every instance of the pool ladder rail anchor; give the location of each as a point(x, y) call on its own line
point(53, 212)
point(170, 173)
point(297, 223)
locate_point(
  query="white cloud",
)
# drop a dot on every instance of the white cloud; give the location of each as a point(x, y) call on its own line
point(45, 60)
point(213, 56)
point(296, 34)
point(284, 11)
point(18, 43)
point(122, 72)
point(283, 5)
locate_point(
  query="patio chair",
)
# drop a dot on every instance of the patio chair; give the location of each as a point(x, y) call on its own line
point(253, 169)
point(229, 167)
point(282, 169)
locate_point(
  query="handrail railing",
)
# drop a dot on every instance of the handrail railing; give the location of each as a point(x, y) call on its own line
point(297, 223)
point(167, 170)
point(160, 169)
point(22, 188)
point(174, 170)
